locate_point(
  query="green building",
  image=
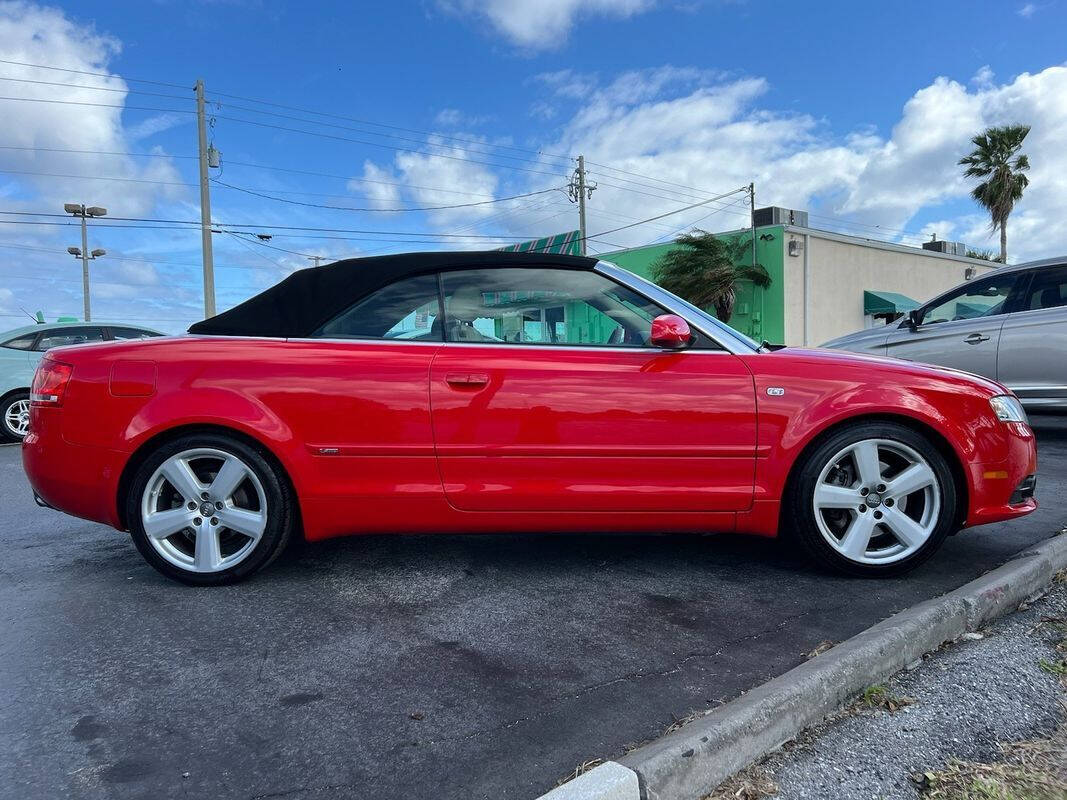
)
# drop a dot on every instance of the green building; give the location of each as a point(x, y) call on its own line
point(824, 284)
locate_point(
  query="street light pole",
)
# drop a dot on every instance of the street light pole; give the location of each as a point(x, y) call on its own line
point(80, 210)
point(85, 267)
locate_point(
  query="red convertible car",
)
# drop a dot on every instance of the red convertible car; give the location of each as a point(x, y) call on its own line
point(449, 392)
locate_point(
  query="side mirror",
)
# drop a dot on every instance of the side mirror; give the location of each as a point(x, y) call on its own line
point(670, 332)
point(914, 318)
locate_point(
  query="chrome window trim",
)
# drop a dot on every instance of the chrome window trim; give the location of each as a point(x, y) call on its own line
point(664, 298)
point(555, 348)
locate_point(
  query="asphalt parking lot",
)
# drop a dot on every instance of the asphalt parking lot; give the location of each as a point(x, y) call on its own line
point(400, 667)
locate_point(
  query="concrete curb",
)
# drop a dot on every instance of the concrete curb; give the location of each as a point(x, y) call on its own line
point(692, 761)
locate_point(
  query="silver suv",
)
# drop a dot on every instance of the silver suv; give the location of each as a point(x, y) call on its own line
point(1009, 325)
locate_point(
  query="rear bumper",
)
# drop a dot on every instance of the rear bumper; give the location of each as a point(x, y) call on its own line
point(1003, 489)
point(78, 480)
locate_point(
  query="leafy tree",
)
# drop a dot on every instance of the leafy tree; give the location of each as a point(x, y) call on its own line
point(705, 270)
point(997, 160)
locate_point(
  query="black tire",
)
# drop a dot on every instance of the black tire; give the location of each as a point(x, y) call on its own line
point(7, 434)
point(799, 513)
point(280, 512)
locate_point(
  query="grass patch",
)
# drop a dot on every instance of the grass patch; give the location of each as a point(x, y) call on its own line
point(753, 783)
point(1057, 667)
point(879, 697)
point(819, 649)
point(581, 769)
point(1033, 770)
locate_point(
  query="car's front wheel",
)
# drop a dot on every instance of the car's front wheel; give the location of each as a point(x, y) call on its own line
point(209, 509)
point(873, 499)
point(15, 417)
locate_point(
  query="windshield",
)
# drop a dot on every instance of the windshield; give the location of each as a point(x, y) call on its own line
point(720, 329)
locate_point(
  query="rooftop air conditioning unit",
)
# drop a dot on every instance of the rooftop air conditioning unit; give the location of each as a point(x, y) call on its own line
point(774, 215)
point(948, 248)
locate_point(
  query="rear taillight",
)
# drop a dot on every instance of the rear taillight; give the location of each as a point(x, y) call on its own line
point(50, 382)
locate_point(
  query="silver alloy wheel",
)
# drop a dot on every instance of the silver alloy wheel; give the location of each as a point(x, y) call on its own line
point(204, 510)
point(17, 418)
point(877, 501)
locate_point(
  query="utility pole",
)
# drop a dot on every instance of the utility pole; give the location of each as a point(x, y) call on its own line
point(752, 210)
point(316, 259)
point(79, 210)
point(205, 205)
point(579, 191)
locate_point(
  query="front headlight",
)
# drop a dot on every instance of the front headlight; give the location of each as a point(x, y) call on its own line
point(1008, 408)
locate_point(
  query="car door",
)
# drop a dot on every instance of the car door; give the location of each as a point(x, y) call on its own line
point(960, 329)
point(355, 394)
point(1032, 358)
point(547, 397)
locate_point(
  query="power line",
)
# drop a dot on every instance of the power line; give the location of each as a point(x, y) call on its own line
point(93, 177)
point(357, 120)
point(418, 208)
point(248, 246)
point(335, 137)
point(95, 74)
point(235, 163)
point(667, 214)
point(98, 105)
point(124, 90)
point(346, 178)
point(113, 257)
point(422, 140)
point(164, 223)
point(89, 152)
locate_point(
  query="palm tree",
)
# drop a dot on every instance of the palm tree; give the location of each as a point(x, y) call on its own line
point(703, 269)
point(997, 160)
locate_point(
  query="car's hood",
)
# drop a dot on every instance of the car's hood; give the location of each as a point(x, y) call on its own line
point(895, 368)
point(864, 339)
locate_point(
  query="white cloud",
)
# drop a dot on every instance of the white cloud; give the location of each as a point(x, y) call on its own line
point(449, 117)
point(700, 130)
point(378, 186)
point(1027, 11)
point(983, 78)
point(544, 24)
point(40, 35)
point(454, 118)
point(157, 124)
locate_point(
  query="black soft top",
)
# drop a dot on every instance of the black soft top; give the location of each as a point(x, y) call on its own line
point(301, 303)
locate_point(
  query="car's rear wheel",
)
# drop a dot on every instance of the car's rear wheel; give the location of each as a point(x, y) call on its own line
point(874, 499)
point(15, 417)
point(209, 509)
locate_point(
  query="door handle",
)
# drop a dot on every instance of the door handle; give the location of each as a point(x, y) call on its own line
point(976, 338)
point(466, 379)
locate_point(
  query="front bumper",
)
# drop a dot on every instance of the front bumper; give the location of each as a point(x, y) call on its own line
point(1004, 489)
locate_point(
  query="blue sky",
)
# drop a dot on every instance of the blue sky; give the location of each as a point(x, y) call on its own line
point(856, 112)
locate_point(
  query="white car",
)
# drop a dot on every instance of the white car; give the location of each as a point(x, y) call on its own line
point(22, 348)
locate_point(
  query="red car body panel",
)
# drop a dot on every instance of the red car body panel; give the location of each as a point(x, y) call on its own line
point(684, 441)
point(392, 436)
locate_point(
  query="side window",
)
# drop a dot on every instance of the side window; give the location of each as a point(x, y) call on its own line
point(1047, 290)
point(131, 333)
point(405, 310)
point(65, 336)
point(24, 342)
point(544, 306)
point(981, 298)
